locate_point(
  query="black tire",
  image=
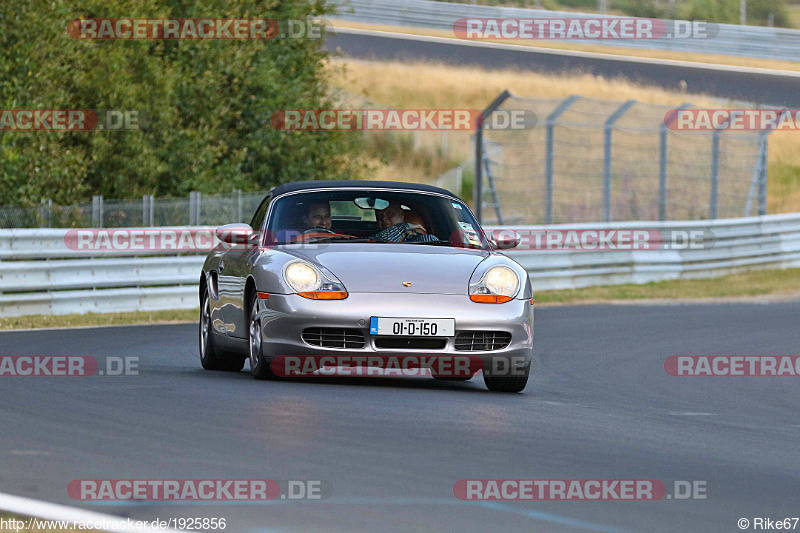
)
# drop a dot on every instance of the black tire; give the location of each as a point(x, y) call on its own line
point(259, 367)
point(506, 383)
point(210, 357)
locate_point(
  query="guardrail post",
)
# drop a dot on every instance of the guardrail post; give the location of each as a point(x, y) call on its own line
point(548, 161)
point(714, 201)
point(609, 127)
point(662, 168)
point(477, 191)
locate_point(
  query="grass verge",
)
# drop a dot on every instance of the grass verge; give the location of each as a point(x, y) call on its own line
point(100, 319)
point(757, 284)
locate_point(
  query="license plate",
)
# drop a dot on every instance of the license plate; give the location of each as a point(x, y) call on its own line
point(413, 327)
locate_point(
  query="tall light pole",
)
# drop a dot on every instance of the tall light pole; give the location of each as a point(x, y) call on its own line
point(742, 12)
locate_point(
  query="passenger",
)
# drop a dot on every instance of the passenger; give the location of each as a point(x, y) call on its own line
point(394, 228)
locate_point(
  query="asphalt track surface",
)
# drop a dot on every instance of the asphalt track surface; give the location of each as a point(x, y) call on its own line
point(739, 84)
point(600, 406)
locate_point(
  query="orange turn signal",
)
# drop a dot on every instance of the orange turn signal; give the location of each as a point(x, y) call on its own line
point(324, 295)
point(489, 298)
point(263, 295)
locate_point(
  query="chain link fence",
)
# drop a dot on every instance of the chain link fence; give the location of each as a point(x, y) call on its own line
point(580, 160)
point(589, 160)
point(196, 210)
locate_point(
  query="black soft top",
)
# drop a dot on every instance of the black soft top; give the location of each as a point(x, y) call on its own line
point(345, 184)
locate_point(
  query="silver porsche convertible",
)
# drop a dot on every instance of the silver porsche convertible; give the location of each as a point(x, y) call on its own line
point(351, 271)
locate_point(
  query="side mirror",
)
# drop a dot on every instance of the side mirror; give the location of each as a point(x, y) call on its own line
point(505, 239)
point(236, 234)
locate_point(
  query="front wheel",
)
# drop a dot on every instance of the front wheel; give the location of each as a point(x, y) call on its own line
point(512, 380)
point(210, 356)
point(258, 366)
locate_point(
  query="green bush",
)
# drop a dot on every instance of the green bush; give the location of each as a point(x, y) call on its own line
point(209, 101)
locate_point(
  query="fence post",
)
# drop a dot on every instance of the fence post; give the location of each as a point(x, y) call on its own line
point(197, 205)
point(192, 210)
point(548, 162)
point(714, 201)
point(97, 211)
point(477, 191)
point(239, 213)
point(662, 169)
point(48, 205)
point(609, 127)
point(763, 149)
point(145, 205)
point(152, 209)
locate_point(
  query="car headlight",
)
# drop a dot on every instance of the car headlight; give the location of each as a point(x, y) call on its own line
point(309, 282)
point(499, 284)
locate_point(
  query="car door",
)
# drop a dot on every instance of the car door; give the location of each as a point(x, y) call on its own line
point(234, 268)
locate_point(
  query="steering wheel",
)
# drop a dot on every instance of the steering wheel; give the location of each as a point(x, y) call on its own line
point(316, 233)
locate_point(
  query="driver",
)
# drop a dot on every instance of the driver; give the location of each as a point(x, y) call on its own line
point(318, 215)
point(394, 228)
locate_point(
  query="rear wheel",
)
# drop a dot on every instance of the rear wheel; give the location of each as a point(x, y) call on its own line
point(210, 357)
point(258, 366)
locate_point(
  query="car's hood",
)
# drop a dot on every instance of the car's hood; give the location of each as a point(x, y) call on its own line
point(366, 267)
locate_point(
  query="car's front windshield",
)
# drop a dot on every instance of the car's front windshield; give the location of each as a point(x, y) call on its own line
point(364, 215)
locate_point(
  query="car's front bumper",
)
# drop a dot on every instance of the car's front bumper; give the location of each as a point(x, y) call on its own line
point(284, 317)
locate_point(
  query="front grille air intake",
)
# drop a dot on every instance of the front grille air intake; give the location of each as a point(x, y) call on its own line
point(410, 343)
point(482, 340)
point(334, 337)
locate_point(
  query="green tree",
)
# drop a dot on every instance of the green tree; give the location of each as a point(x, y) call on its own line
point(208, 102)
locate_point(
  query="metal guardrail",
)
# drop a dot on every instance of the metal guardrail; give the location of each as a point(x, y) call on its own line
point(748, 41)
point(771, 241)
point(39, 274)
